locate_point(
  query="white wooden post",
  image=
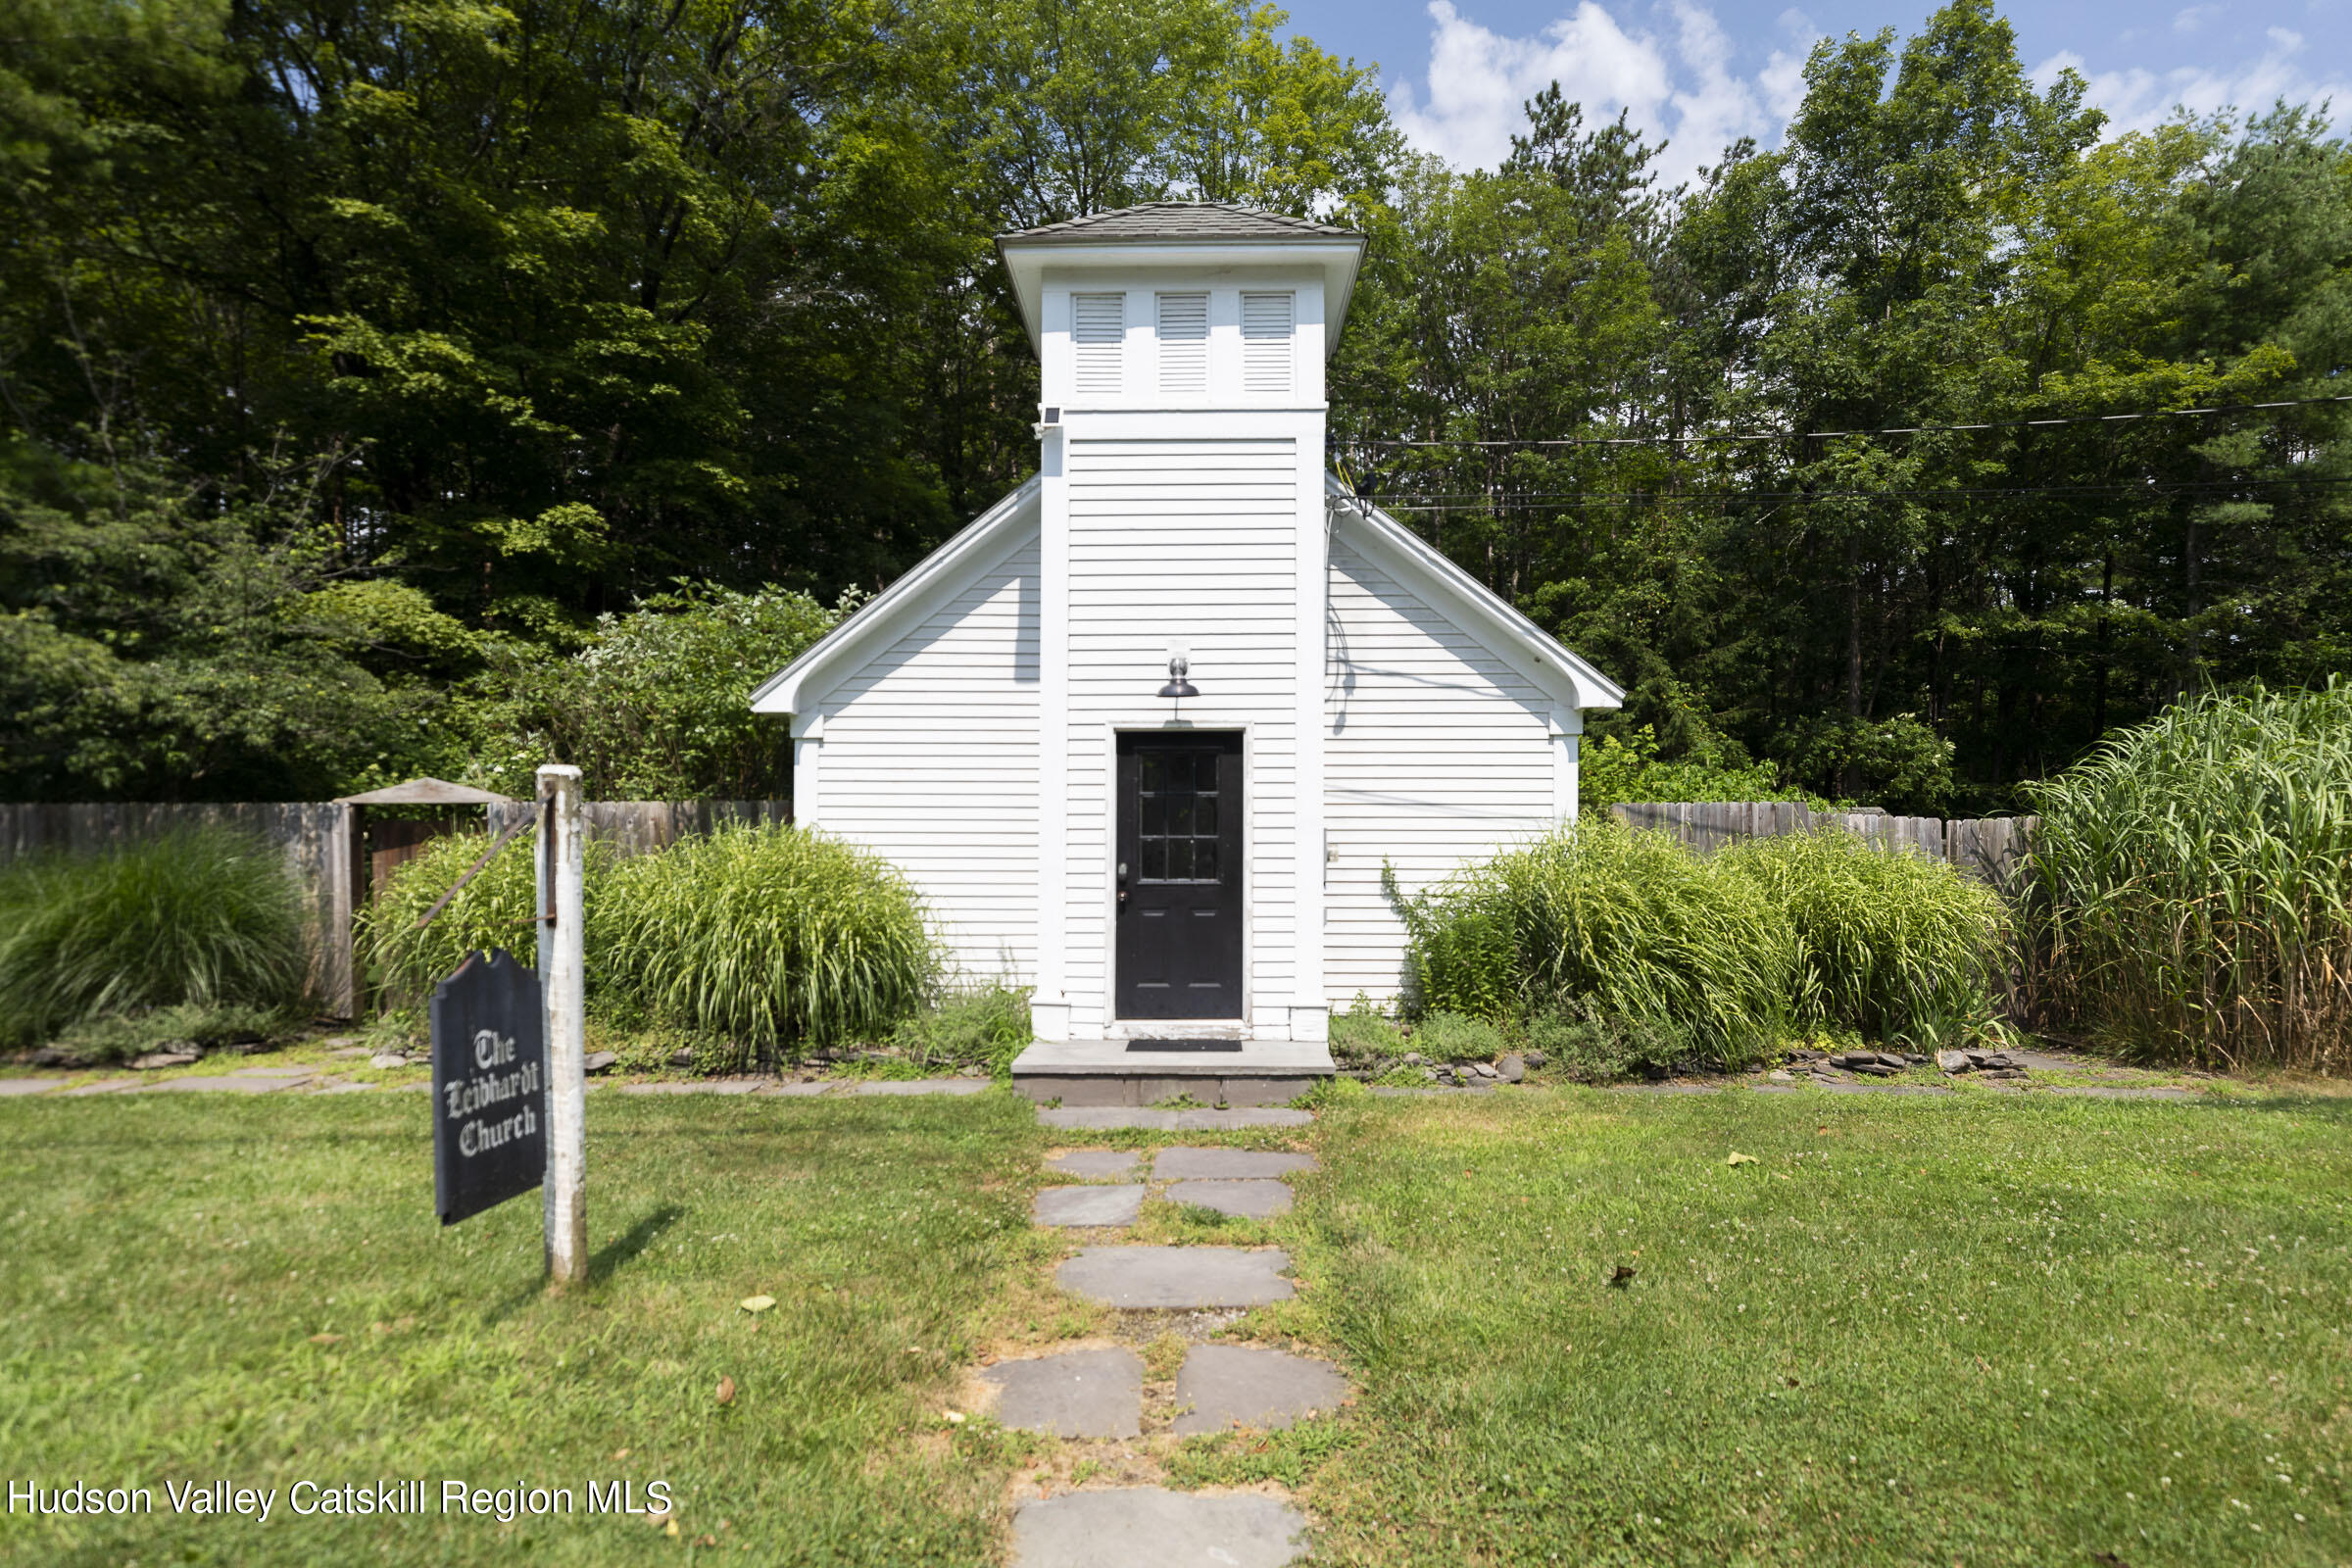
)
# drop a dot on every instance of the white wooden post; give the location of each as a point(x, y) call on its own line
point(564, 984)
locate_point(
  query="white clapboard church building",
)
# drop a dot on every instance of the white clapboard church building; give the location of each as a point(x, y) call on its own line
point(1143, 733)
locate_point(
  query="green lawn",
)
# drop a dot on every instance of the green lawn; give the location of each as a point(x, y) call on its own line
point(170, 1258)
point(1973, 1330)
point(1839, 1353)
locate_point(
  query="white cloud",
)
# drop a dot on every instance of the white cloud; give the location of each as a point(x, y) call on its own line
point(2137, 99)
point(1680, 80)
point(1681, 85)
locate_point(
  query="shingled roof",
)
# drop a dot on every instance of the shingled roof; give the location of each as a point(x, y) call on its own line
point(1178, 220)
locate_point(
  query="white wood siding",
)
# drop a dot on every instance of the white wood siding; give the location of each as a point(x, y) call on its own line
point(1436, 753)
point(931, 761)
point(1191, 542)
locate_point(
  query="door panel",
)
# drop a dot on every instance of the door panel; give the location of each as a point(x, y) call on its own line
point(1179, 939)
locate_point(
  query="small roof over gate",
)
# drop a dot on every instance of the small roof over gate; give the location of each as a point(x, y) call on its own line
point(424, 792)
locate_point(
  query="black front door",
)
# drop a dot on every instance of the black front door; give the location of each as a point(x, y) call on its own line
point(1178, 946)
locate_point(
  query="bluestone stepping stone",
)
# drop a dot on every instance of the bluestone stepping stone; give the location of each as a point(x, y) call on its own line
point(1226, 1384)
point(1145, 1527)
point(1139, 1277)
point(1094, 1162)
point(241, 1086)
point(1087, 1205)
point(1244, 1199)
point(1225, 1121)
point(923, 1086)
point(798, 1088)
point(27, 1086)
point(1077, 1393)
point(1105, 1118)
point(275, 1072)
point(1224, 1164)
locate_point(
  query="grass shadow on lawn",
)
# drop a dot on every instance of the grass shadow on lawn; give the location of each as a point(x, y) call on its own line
point(206, 1286)
point(1950, 1330)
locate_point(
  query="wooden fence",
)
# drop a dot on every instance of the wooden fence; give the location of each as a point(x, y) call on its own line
point(318, 841)
point(1991, 849)
point(640, 827)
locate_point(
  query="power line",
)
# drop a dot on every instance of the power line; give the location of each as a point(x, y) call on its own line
point(1401, 444)
point(1462, 501)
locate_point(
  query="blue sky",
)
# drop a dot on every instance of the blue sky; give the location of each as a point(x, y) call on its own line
point(1699, 74)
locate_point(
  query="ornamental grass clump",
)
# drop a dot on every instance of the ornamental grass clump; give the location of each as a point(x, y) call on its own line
point(2191, 888)
point(203, 915)
point(767, 935)
point(1625, 930)
point(1890, 944)
point(493, 910)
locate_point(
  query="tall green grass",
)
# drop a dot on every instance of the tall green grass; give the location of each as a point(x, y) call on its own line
point(1890, 944)
point(493, 910)
point(1625, 930)
point(2190, 890)
point(202, 915)
point(766, 935)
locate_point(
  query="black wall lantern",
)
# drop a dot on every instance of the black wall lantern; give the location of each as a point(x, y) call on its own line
point(1177, 685)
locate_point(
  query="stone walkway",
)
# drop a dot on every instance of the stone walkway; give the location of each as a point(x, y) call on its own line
point(1101, 1394)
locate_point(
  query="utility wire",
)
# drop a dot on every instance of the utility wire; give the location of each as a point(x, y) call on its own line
point(1459, 501)
point(1399, 444)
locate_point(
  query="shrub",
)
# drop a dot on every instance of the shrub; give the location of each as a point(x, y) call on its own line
point(767, 935)
point(2190, 887)
point(1891, 943)
point(201, 916)
point(1584, 1043)
point(1363, 1035)
point(1453, 1037)
point(970, 1028)
point(1625, 767)
point(1628, 929)
point(206, 1025)
point(495, 909)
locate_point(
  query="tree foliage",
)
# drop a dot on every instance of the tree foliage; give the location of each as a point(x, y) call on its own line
point(371, 375)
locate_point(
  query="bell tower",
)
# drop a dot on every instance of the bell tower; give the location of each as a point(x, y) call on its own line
point(1181, 516)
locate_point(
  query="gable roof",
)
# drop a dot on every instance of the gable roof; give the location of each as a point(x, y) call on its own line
point(1421, 568)
point(1163, 222)
point(1416, 565)
point(878, 622)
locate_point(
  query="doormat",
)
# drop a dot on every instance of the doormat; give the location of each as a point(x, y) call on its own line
point(1184, 1045)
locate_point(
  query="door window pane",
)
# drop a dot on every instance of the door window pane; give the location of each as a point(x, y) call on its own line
point(1176, 816)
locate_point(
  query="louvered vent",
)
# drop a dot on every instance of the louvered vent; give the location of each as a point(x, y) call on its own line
point(1184, 342)
point(1099, 331)
point(1265, 344)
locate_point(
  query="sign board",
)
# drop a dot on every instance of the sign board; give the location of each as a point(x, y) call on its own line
point(489, 1086)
